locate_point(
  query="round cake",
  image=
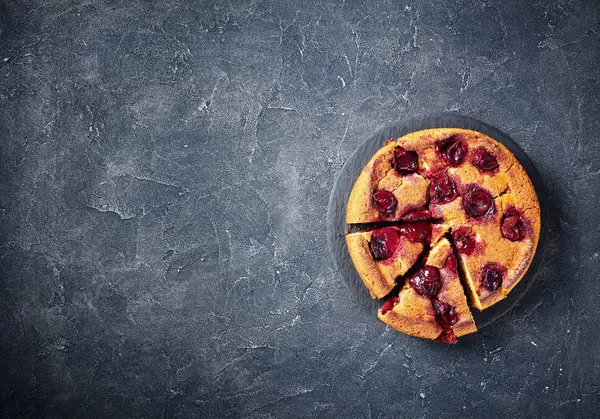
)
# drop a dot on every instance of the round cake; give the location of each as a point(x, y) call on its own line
point(438, 215)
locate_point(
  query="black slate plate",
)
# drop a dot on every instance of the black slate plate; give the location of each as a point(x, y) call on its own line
point(336, 212)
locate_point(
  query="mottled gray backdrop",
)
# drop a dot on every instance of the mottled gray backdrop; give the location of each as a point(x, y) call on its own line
point(165, 171)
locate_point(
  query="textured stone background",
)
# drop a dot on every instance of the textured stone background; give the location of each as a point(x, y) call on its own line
point(165, 170)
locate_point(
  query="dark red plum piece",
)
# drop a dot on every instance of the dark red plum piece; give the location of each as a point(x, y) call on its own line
point(442, 189)
point(384, 243)
point(426, 281)
point(405, 162)
point(478, 202)
point(445, 314)
point(416, 232)
point(484, 160)
point(491, 276)
point(389, 304)
point(417, 215)
point(464, 240)
point(513, 226)
point(450, 263)
point(385, 203)
point(453, 150)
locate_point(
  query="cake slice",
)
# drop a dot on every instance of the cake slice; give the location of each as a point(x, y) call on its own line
point(432, 303)
point(452, 311)
point(382, 255)
point(495, 255)
point(389, 188)
point(410, 313)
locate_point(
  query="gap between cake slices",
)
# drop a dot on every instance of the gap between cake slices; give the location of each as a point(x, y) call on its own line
point(384, 254)
point(431, 303)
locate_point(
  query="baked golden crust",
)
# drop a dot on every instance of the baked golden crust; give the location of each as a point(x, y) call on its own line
point(380, 276)
point(508, 253)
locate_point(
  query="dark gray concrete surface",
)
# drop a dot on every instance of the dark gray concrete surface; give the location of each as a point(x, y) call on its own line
point(165, 169)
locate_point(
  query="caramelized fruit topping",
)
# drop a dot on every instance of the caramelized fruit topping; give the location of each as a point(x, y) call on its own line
point(464, 240)
point(453, 150)
point(416, 232)
point(484, 160)
point(445, 314)
point(447, 336)
point(385, 202)
point(417, 215)
point(389, 304)
point(426, 281)
point(478, 202)
point(491, 277)
point(450, 263)
point(513, 225)
point(384, 243)
point(442, 189)
point(404, 161)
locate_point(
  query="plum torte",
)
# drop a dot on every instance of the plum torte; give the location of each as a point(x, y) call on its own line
point(432, 200)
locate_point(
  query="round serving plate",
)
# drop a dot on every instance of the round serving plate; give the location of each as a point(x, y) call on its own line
point(336, 212)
